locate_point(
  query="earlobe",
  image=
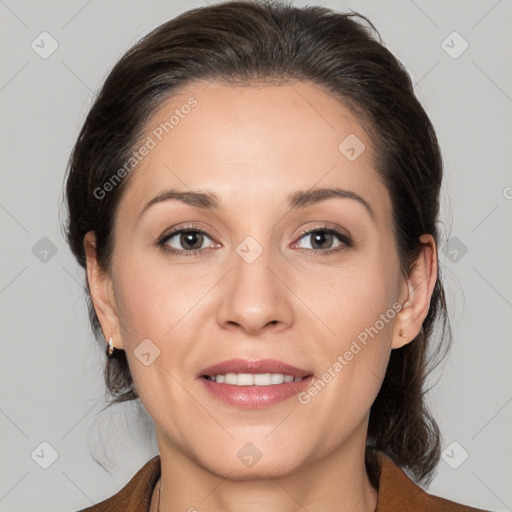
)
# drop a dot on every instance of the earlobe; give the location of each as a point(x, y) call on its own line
point(102, 296)
point(418, 289)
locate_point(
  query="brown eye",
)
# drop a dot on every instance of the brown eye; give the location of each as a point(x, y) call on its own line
point(324, 240)
point(321, 239)
point(187, 241)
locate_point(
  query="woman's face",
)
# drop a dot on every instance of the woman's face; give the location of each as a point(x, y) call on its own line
point(268, 281)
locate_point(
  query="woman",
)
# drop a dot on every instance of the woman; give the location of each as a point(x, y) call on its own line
point(254, 197)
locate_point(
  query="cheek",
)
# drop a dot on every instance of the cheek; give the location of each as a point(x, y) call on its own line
point(362, 321)
point(152, 297)
point(353, 365)
point(354, 296)
point(157, 309)
point(141, 307)
point(152, 306)
point(358, 308)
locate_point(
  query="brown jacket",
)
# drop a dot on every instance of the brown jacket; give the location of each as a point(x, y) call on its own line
point(397, 492)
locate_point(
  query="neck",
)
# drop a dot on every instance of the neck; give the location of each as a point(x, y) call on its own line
point(338, 483)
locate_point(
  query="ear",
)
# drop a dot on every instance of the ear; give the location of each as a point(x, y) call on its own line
point(102, 293)
point(416, 294)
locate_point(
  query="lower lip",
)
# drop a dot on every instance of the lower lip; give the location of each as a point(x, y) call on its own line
point(255, 397)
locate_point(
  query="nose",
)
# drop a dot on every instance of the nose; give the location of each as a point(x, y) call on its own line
point(255, 296)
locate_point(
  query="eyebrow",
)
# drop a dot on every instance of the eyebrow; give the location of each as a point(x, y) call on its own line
point(300, 199)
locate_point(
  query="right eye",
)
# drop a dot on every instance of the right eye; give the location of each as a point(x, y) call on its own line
point(190, 240)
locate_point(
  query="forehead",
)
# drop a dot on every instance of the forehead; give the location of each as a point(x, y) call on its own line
point(254, 143)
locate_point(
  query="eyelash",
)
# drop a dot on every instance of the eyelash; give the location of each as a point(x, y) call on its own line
point(345, 239)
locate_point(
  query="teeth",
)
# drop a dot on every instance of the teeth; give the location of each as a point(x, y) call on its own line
point(253, 379)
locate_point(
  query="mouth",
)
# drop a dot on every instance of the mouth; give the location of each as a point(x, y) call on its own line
point(252, 379)
point(254, 384)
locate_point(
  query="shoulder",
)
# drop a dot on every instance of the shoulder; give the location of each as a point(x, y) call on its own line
point(398, 492)
point(135, 496)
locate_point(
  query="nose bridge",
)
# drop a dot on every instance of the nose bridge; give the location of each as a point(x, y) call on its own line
point(254, 246)
point(252, 276)
point(255, 295)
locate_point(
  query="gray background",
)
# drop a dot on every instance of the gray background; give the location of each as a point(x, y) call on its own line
point(52, 370)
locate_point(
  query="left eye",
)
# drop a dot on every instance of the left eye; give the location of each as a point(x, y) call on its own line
point(321, 237)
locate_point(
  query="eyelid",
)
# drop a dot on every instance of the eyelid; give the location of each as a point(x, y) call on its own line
point(187, 227)
point(325, 225)
point(343, 235)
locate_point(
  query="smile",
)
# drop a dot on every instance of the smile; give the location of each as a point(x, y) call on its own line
point(250, 379)
point(253, 383)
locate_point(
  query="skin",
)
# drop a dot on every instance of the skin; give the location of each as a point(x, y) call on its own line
point(252, 146)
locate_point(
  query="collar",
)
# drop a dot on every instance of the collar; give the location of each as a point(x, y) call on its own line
point(397, 492)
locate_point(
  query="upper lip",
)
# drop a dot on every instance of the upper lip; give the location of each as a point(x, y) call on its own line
point(253, 366)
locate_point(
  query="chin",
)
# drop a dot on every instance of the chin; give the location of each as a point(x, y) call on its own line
point(247, 456)
point(265, 468)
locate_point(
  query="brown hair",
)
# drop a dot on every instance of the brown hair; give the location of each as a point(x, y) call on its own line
point(243, 43)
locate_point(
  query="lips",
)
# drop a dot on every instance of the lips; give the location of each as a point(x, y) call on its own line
point(247, 394)
point(253, 366)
